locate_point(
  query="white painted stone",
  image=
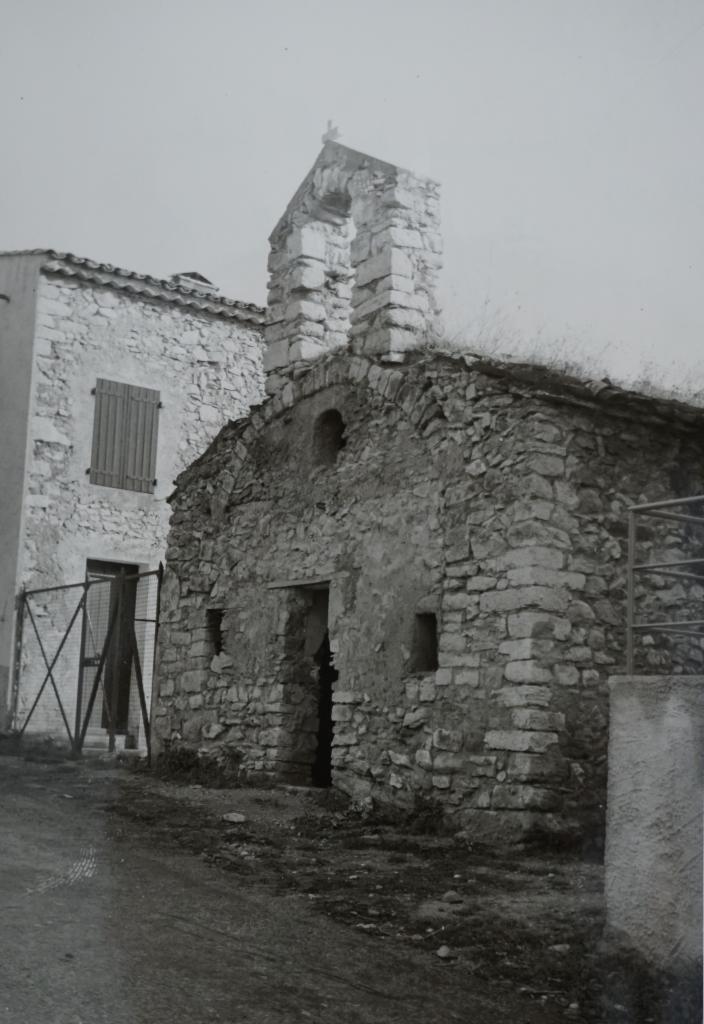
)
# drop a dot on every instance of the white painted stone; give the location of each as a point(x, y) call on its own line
point(56, 307)
point(308, 241)
point(44, 429)
point(411, 319)
point(426, 691)
point(538, 624)
point(433, 240)
point(534, 575)
point(519, 650)
point(209, 414)
point(466, 677)
point(523, 696)
point(393, 340)
point(401, 197)
point(308, 276)
point(306, 350)
point(537, 720)
point(396, 236)
point(415, 717)
point(481, 583)
point(399, 759)
point(366, 307)
point(447, 739)
point(446, 761)
point(567, 675)
point(535, 555)
point(423, 758)
point(306, 310)
point(547, 465)
point(345, 697)
point(394, 283)
point(527, 672)
point(520, 740)
point(391, 261)
point(545, 598)
point(276, 355)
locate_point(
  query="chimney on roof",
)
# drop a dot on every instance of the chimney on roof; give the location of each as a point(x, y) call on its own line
point(194, 281)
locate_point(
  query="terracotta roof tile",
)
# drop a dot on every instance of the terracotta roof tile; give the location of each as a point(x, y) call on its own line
point(69, 265)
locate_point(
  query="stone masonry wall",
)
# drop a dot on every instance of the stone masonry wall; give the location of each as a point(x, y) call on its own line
point(353, 260)
point(498, 504)
point(208, 370)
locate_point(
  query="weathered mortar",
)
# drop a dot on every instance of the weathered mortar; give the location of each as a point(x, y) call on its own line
point(496, 501)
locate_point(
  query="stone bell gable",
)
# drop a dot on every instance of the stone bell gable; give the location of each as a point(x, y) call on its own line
point(457, 528)
point(353, 262)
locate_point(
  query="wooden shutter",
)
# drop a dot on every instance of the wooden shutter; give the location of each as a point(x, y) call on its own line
point(124, 436)
point(140, 439)
point(106, 463)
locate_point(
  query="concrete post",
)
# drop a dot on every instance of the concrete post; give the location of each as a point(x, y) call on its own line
point(654, 817)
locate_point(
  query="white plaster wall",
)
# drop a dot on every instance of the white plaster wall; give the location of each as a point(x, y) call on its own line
point(654, 817)
point(208, 371)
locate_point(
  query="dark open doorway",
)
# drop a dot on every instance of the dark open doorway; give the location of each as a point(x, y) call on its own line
point(118, 666)
point(314, 730)
point(327, 675)
point(317, 647)
point(305, 749)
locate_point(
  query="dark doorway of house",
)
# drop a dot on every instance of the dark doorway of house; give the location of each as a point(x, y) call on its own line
point(317, 644)
point(122, 581)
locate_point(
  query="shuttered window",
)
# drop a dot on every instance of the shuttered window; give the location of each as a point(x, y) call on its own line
point(124, 436)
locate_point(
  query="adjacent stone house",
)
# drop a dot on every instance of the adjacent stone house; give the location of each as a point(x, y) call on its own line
point(111, 383)
point(404, 573)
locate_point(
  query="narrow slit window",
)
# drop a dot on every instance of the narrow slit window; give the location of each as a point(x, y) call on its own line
point(328, 438)
point(213, 621)
point(424, 653)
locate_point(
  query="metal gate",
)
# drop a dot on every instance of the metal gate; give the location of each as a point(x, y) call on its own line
point(672, 553)
point(84, 658)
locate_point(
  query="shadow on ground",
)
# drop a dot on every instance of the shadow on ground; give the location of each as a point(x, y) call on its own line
point(524, 922)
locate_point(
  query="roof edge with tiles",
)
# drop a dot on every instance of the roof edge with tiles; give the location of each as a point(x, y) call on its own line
point(67, 264)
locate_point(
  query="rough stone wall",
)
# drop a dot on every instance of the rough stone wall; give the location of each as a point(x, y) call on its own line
point(353, 260)
point(208, 370)
point(463, 490)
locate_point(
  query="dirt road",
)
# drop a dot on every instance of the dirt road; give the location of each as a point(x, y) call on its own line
point(99, 922)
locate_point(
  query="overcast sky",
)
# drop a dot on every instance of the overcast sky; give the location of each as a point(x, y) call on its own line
point(566, 134)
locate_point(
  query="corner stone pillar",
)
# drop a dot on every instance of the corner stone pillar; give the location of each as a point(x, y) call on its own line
point(396, 256)
point(353, 263)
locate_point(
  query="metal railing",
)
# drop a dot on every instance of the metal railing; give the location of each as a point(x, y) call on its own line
point(689, 569)
point(88, 647)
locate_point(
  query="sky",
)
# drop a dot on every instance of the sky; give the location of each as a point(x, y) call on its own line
point(566, 135)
